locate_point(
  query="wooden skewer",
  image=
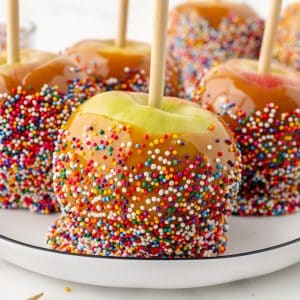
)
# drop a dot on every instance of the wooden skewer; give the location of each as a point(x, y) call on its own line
point(13, 47)
point(158, 53)
point(122, 24)
point(265, 57)
point(36, 297)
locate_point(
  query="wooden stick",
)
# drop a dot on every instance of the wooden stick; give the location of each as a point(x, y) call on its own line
point(158, 53)
point(265, 57)
point(13, 47)
point(122, 24)
point(36, 297)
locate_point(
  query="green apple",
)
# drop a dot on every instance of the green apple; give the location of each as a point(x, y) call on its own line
point(135, 180)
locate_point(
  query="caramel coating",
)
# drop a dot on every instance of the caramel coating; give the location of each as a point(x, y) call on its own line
point(214, 12)
point(236, 81)
point(287, 44)
point(195, 146)
point(102, 59)
point(36, 69)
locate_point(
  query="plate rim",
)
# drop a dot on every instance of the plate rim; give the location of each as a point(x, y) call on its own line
point(228, 256)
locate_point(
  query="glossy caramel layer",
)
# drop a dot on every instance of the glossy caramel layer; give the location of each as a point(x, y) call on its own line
point(236, 82)
point(215, 12)
point(101, 58)
point(37, 68)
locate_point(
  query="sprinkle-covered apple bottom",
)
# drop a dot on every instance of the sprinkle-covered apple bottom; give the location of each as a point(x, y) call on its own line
point(270, 145)
point(124, 192)
point(197, 237)
point(269, 140)
point(29, 124)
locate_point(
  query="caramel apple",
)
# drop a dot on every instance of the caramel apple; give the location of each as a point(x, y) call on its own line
point(37, 95)
point(202, 34)
point(134, 180)
point(263, 112)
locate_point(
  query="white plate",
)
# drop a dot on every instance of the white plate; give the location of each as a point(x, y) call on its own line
point(256, 246)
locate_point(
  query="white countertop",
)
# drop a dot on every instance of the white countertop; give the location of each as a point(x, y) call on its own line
point(18, 284)
point(61, 23)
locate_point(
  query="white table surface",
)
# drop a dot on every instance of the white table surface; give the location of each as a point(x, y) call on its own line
point(61, 23)
point(18, 284)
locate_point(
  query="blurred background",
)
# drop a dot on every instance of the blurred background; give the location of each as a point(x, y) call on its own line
point(60, 23)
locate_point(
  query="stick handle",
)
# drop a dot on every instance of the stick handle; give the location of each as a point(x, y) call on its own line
point(36, 297)
point(13, 51)
point(122, 23)
point(265, 57)
point(158, 53)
